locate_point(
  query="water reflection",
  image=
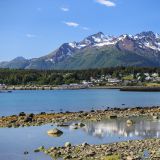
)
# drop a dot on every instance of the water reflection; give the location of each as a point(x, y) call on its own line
point(15, 141)
point(142, 128)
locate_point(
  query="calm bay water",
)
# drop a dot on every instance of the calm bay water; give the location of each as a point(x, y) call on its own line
point(14, 141)
point(73, 100)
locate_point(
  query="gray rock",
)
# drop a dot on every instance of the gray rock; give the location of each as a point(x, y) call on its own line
point(26, 152)
point(113, 116)
point(67, 144)
point(81, 124)
point(91, 153)
point(62, 125)
point(41, 148)
point(84, 144)
point(55, 131)
point(22, 114)
point(36, 150)
point(129, 122)
point(155, 117)
point(68, 157)
point(28, 119)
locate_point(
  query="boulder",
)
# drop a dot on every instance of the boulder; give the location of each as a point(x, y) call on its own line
point(90, 153)
point(81, 124)
point(36, 150)
point(31, 115)
point(155, 117)
point(113, 116)
point(85, 144)
point(77, 125)
point(26, 152)
point(68, 157)
point(55, 132)
point(67, 144)
point(28, 119)
point(41, 148)
point(129, 122)
point(74, 127)
point(129, 158)
point(42, 113)
point(22, 114)
point(62, 125)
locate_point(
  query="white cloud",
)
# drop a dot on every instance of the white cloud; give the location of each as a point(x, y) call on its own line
point(72, 24)
point(106, 3)
point(85, 28)
point(28, 35)
point(65, 9)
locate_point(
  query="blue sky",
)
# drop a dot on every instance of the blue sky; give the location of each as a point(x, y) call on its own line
point(33, 28)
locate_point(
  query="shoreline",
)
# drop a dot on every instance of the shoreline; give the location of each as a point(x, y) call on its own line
point(50, 87)
point(140, 89)
point(129, 150)
point(121, 88)
point(42, 118)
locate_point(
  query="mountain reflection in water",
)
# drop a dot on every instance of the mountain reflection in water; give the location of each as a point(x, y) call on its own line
point(141, 128)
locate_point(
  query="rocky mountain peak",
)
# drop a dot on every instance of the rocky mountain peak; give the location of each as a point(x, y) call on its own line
point(95, 38)
point(147, 34)
point(144, 46)
point(19, 58)
point(98, 35)
point(124, 36)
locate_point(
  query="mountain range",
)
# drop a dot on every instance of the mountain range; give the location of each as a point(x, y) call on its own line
point(97, 51)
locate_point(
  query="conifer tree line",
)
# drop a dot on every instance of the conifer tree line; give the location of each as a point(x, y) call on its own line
point(58, 77)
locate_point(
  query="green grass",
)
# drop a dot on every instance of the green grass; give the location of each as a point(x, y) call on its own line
point(112, 157)
point(152, 84)
point(129, 77)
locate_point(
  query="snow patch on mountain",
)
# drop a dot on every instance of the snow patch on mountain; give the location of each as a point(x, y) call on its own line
point(143, 40)
point(151, 46)
point(73, 44)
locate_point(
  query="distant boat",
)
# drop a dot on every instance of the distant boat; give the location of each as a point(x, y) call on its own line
point(5, 91)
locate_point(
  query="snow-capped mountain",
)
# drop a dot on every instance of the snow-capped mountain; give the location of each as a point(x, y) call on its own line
point(148, 40)
point(144, 40)
point(68, 49)
point(99, 50)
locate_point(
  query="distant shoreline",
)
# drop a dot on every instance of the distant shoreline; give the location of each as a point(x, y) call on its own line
point(140, 89)
point(121, 88)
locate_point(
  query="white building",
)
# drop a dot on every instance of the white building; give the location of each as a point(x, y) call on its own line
point(113, 80)
point(155, 75)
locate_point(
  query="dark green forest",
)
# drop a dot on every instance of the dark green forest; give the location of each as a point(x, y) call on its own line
point(58, 77)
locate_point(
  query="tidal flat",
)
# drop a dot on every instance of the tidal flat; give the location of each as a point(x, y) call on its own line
point(127, 132)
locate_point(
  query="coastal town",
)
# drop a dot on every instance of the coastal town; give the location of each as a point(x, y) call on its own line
point(108, 81)
point(127, 80)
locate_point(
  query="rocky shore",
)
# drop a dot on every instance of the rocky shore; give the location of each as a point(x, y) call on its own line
point(130, 150)
point(46, 87)
point(24, 119)
point(81, 86)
